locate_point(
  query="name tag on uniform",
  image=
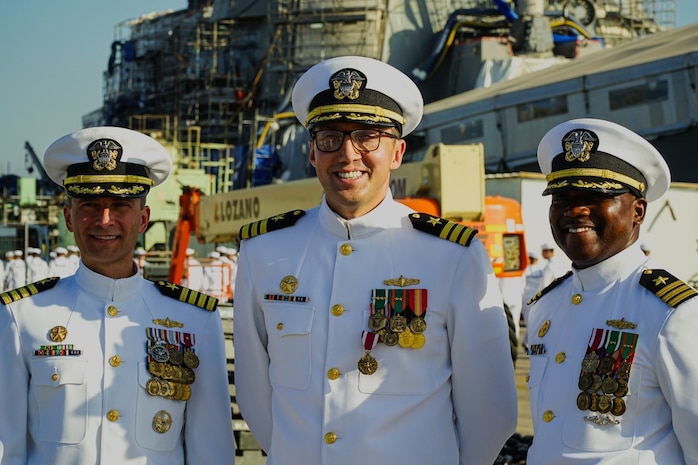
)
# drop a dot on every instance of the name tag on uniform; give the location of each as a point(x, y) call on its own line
point(536, 349)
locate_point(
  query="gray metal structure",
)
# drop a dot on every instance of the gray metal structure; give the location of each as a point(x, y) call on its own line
point(209, 77)
point(649, 85)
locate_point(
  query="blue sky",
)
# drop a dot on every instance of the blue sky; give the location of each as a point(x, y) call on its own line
point(53, 54)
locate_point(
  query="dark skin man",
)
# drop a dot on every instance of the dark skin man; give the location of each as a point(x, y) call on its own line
point(591, 227)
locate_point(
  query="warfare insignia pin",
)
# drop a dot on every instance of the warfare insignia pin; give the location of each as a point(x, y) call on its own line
point(167, 323)
point(621, 324)
point(401, 281)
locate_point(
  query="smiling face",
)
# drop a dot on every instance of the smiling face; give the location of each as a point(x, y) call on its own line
point(106, 231)
point(356, 182)
point(591, 227)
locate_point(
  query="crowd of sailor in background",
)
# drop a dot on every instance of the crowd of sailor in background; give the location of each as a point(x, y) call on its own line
point(17, 271)
point(213, 275)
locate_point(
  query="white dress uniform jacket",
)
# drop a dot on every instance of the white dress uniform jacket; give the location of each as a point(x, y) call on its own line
point(606, 306)
point(453, 401)
point(92, 407)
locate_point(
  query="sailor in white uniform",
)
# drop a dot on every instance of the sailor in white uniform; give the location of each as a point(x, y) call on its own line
point(612, 344)
point(37, 267)
point(16, 271)
point(366, 332)
point(105, 367)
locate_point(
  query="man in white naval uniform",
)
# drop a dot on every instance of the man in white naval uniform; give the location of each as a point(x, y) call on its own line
point(105, 367)
point(613, 344)
point(17, 271)
point(37, 267)
point(361, 336)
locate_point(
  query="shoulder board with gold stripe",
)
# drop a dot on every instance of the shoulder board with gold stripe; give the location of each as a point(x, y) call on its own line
point(556, 282)
point(30, 289)
point(443, 228)
point(184, 294)
point(276, 222)
point(667, 287)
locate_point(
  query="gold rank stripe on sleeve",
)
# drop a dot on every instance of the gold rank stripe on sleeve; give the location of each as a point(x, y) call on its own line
point(549, 287)
point(667, 287)
point(274, 223)
point(443, 228)
point(184, 294)
point(30, 289)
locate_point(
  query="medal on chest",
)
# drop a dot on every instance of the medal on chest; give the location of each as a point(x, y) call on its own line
point(605, 371)
point(368, 364)
point(396, 318)
point(171, 360)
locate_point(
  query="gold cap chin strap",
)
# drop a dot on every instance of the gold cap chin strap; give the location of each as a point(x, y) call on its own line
point(597, 173)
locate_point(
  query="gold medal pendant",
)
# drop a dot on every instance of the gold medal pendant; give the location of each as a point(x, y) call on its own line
point(398, 323)
point(377, 321)
point(605, 404)
point(418, 325)
point(367, 364)
point(583, 400)
point(406, 338)
point(190, 359)
point(590, 362)
point(153, 387)
point(419, 341)
point(390, 338)
point(618, 407)
point(176, 357)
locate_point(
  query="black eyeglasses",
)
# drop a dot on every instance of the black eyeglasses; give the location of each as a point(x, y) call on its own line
point(363, 140)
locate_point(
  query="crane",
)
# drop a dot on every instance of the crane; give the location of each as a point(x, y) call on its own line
point(45, 181)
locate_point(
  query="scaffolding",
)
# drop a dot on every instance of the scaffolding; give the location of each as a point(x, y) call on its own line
point(208, 77)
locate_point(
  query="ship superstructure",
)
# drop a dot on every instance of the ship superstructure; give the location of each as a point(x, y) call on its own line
point(214, 80)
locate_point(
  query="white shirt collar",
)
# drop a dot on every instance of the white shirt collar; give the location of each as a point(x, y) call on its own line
point(106, 288)
point(615, 268)
point(388, 214)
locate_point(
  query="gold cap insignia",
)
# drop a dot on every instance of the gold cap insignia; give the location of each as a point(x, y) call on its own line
point(104, 154)
point(347, 83)
point(579, 144)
